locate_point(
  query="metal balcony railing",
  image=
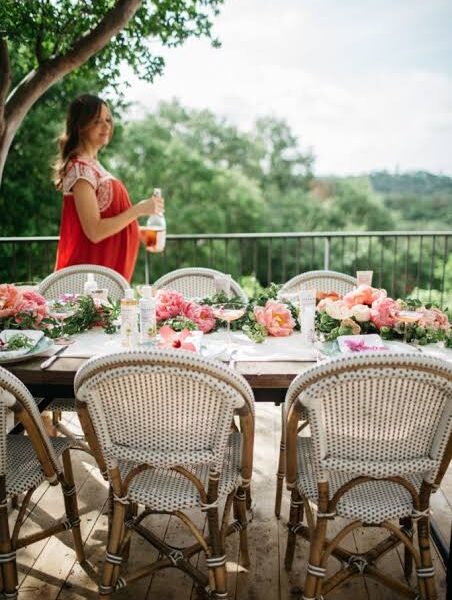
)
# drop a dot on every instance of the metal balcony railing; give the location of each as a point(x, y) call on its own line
point(416, 263)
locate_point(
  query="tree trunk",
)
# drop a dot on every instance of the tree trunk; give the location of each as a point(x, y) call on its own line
point(39, 81)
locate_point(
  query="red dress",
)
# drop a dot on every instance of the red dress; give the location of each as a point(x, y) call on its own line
point(119, 251)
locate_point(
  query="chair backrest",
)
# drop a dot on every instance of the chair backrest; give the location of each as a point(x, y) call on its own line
point(321, 281)
point(164, 408)
point(196, 282)
point(71, 280)
point(15, 396)
point(376, 415)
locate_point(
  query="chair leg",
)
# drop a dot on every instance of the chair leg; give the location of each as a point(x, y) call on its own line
point(295, 517)
point(216, 563)
point(281, 465)
point(240, 503)
point(426, 576)
point(70, 502)
point(7, 556)
point(110, 571)
point(315, 571)
point(56, 417)
point(407, 526)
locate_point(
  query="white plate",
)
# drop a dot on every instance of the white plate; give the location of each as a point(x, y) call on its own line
point(44, 344)
point(33, 336)
point(369, 342)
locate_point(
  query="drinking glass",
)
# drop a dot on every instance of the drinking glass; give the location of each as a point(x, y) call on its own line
point(408, 317)
point(229, 311)
point(60, 312)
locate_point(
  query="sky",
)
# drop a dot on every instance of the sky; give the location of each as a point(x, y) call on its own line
point(364, 84)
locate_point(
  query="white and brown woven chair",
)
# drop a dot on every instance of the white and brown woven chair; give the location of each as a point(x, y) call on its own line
point(380, 443)
point(196, 282)
point(321, 281)
point(71, 280)
point(25, 462)
point(159, 424)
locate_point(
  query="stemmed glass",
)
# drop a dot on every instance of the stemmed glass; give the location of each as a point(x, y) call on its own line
point(229, 311)
point(60, 311)
point(408, 317)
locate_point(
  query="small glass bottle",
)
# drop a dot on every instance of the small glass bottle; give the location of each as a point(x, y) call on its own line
point(129, 326)
point(90, 285)
point(153, 234)
point(148, 320)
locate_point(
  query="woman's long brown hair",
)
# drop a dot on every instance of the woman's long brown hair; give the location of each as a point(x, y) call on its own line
point(82, 111)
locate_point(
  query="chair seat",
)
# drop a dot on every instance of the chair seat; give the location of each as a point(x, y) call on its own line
point(167, 490)
point(64, 404)
point(370, 502)
point(23, 469)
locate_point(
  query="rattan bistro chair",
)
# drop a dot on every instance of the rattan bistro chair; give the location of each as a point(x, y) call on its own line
point(196, 282)
point(71, 280)
point(25, 462)
point(159, 423)
point(321, 281)
point(381, 441)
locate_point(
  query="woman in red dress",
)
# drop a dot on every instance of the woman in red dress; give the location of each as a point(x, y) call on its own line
point(98, 222)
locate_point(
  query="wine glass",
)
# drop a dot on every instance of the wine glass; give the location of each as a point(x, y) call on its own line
point(408, 317)
point(229, 311)
point(60, 311)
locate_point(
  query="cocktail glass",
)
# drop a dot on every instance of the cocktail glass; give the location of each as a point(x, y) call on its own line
point(408, 317)
point(60, 312)
point(229, 311)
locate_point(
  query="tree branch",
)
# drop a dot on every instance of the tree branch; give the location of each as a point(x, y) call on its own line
point(5, 79)
point(49, 72)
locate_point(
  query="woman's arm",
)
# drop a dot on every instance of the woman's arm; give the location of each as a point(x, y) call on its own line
point(94, 226)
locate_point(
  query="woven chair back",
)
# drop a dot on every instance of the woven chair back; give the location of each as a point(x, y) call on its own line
point(196, 283)
point(377, 415)
point(321, 281)
point(164, 408)
point(15, 396)
point(71, 280)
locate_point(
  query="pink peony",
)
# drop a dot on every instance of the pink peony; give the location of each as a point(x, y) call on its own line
point(32, 303)
point(275, 317)
point(173, 340)
point(338, 310)
point(202, 315)
point(363, 294)
point(169, 304)
point(433, 317)
point(9, 295)
point(384, 312)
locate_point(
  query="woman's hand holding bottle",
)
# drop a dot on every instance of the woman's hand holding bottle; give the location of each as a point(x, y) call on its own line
point(153, 234)
point(155, 205)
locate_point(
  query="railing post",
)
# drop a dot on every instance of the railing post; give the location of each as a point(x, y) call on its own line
point(326, 253)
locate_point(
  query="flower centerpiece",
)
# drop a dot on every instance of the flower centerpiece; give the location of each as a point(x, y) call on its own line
point(370, 310)
point(26, 309)
point(264, 315)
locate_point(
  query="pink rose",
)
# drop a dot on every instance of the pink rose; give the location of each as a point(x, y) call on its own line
point(433, 317)
point(384, 312)
point(33, 304)
point(169, 304)
point(275, 317)
point(363, 294)
point(361, 312)
point(9, 295)
point(338, 310)
point(202, 315)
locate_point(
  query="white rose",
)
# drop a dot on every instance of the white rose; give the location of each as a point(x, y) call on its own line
point(338, 310)
point(361, 312)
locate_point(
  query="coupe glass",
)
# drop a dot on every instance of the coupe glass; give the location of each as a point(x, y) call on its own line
point(408, 317)
point(229, 311)
point(60, 312)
